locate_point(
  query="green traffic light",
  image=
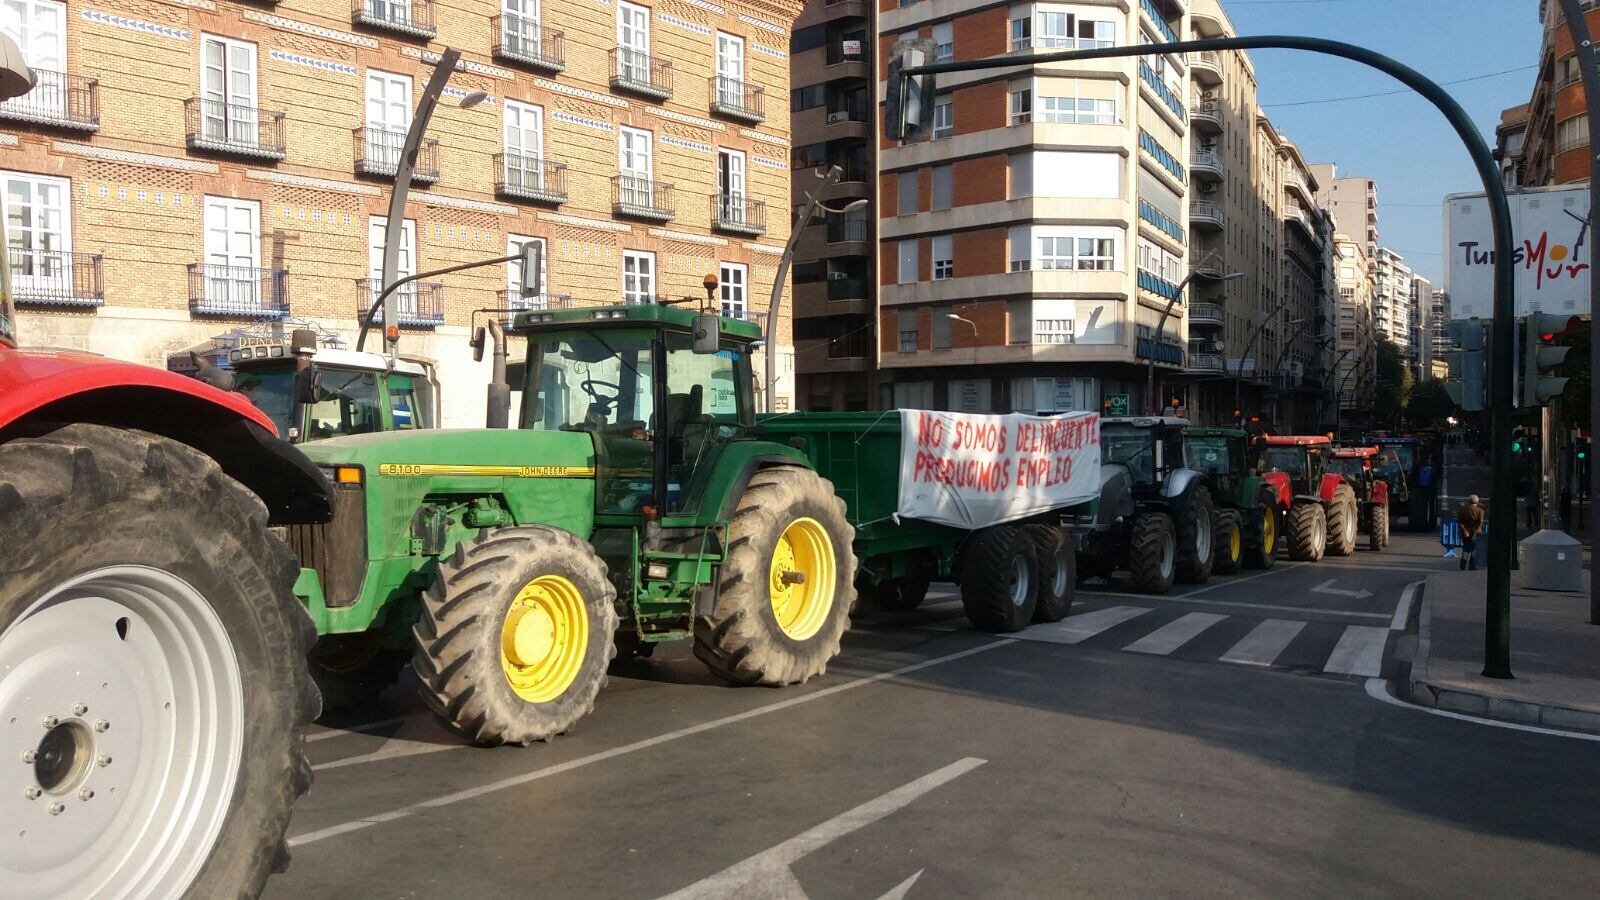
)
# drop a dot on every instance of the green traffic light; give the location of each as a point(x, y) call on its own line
point(1516, 447)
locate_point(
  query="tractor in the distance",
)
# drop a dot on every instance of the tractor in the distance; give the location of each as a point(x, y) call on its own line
point(1420, 474)
point(1359, 467)
point(1156, 517)
point(1322, 511)
point(1248, 519)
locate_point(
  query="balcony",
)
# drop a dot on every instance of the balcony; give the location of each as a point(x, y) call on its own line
point(1159, 20)
point(739, 214)
point(641, 73)
point(378, 154)
point(1155, 284)
point(238, 291)
point(735, 99)
point(56, 278)
point(1205, 68)
point(1206, 363)
point(413, 18)
point(1294, 180)
point(1159, 88)
point(525, 176)
point(840, 289)
point(1206, 116)
point(1206, 315)
point(1207, 216)
point(522, 41)
point(1207, 165)
point(220, 127)
point(515, 302)
point(59, 100)
point(1294, 215)
point(641, 198)
point(1161, 221)
point(1164, 351)
point(416, 304)
point(852, 230)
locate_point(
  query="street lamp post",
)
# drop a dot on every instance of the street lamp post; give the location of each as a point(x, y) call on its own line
point(1283, 354)
point(813, 203)
point(1338, 397)
point(974, 325)
point(1238, 377)
point(1161, 324)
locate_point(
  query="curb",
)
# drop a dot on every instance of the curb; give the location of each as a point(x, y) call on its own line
point(1414, 686)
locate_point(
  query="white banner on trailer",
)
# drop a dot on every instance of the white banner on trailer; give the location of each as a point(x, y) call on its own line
point(1550, 234)
point(972, 471)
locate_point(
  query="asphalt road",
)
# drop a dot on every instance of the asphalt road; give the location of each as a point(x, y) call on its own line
point(1229, 739)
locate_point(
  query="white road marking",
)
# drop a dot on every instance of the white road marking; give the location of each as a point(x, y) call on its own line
point(1265, 643)
point(1174, 634)
point(1378, 689)
point(1359, 651)
point(1402, 613)
point(1324, 588)
point(417, 736)
point(1233, 581)
point(899, 891)
point(354, 729)
point(312, 837)
point(767, 874)
point(1079, 628)
point(1240, 604)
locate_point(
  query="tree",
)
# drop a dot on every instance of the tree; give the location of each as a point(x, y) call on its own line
point(1575, 398)
point(1394, 383)
point(1430, 403)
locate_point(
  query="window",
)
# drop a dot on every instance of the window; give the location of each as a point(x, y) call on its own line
point(734, 279)
point(913, 395)
point(39, 228)
point(1077, 110)
point(40, 29)
point(908, 193)
point(1053, 331)
point(1063, 30)
point(809, 97)
point(944, 117)
point(809, 156)
point(524, 145)
point(730, 186)
point(908, 262)
point(1347, 272)
point(232, 253)
point(520, 26)
point(944, 264)
point(1021, 107)
point(943, 42)
point(942, 323)
point(228, 91)
point(1571, 133)
point(388, 117)
point(943, 187)
point(908, 331)
point(634, 167)
point(405, 296)
point(1021, 33)
point(514, 244)
point(730, 70)
point(1347, 334)
point(633, 35)
point(1020, 171)
point(638, 277)
point(1063, 252)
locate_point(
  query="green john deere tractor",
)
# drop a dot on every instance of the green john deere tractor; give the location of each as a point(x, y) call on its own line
point(635, 502)
point(1247, 516)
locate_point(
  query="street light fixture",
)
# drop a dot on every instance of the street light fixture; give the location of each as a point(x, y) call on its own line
point(1238, 377)
point(1161, 324)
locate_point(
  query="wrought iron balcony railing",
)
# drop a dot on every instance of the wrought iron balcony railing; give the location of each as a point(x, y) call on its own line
point(378, 152)
point(737, 99)
point(241, 291)
point(409, 17)
point(523, 41)
point(849, 230)
point(56, 278)
point(526, 176)
point(224, 127)
point(416, 304)
point(58, 99)
point(641, 198)
point(641, 73)
point(848, 289)
point(514, 301)
point(738, 213)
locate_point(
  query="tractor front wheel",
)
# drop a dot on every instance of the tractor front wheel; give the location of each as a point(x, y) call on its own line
point(1342, 513)
point(515, 635)
point(1152, 553)
point(1261, 546)
point(1196, 524)
point(1378, 527)
point(1230, 543)
point(787, 584)
point(1308, 531)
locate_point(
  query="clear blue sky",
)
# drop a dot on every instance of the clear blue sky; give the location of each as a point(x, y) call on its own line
point(1400, 139)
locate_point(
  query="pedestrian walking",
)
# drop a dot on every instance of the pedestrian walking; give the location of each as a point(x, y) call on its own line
point(1470, 518)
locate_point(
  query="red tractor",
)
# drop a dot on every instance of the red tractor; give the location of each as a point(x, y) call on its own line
point(1321, 513)
point(1356, 465)
point(154, 692)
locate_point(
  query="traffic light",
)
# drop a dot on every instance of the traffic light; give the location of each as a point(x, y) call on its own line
point(908, 99)
point(1465, 384)
point(1540, 356)
point(1580, 451)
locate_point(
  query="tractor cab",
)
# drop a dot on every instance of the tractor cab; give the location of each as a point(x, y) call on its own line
point(1149, 447)
point(1304, 459)
point(1354, 464)
point(323, 393)
point(1412, 458)
point(661, 391)
point(1221, 454)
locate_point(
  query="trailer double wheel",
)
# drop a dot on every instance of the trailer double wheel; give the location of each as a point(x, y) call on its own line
point(1014, 575)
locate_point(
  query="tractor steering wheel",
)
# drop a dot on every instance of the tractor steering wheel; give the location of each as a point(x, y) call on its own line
point(589, 385)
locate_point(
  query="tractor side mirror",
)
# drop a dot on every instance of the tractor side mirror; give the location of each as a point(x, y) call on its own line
point(477, 342)
point(307, 386)
point(707, 334)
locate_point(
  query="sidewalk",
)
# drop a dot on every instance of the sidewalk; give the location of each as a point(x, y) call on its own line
point(1555, 655)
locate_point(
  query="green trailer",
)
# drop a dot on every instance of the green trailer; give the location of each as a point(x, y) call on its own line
point(1010, 575)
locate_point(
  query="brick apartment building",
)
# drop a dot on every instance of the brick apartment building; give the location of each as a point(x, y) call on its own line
point(187, 168)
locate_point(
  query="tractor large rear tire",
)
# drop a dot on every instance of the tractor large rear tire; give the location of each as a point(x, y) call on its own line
point(515, 635)
point(1261, 534)
point(141, 588)
point(1342, 514)
point(1229, 539)
point(1058, 572)
point(1308, 531)
point(787, 585)
point(1196, 524)
point(1378, 527)
point(1152, 553)
point(1000, 579)
point(353, 670)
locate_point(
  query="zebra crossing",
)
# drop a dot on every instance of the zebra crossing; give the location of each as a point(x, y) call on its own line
point(1313, 645)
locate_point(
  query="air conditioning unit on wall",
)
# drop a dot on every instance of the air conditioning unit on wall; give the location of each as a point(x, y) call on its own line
point(835, 118)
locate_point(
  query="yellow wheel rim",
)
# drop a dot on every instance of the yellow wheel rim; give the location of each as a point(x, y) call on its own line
point(1269, 531)
point(802, 578)
point(1235, 544)
point(544, 638)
